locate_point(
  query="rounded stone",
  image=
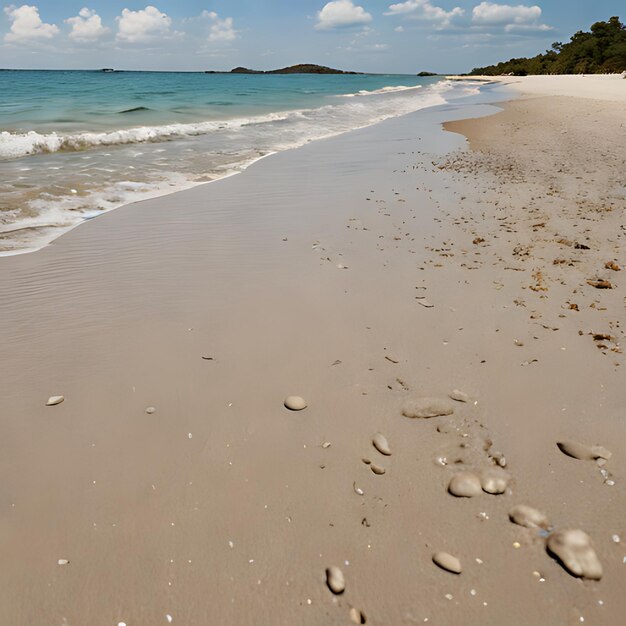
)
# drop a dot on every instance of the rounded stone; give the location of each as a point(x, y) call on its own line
point(381, 444)
point(524, 515)
point(335, 580)
point(54, 400)
point(465, 485)
point(295, 403)
point(459, 396)
point(495, 481)
point(448, 562)
point(574, 550)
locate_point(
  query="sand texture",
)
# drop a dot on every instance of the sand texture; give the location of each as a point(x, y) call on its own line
point(393, 267)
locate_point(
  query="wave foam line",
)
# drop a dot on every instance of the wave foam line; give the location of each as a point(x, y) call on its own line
point(16, 145)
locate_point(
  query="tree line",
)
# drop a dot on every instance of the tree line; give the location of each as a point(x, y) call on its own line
point(600, 51)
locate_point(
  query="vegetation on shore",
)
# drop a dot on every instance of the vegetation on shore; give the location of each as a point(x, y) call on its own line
point(306, 68)
point(600, 51)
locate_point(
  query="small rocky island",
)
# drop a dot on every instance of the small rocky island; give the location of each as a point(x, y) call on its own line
point(306, 68)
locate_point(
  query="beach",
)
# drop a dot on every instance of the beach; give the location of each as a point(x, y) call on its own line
point(469, 253)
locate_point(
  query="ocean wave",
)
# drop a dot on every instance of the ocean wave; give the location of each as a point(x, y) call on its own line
point(382, 91)
point(16, 145)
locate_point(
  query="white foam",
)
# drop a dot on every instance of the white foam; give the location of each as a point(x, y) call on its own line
point(213, 156)
point(382, 91)
point(15, 145)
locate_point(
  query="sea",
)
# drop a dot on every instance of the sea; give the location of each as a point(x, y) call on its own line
point(75, 144)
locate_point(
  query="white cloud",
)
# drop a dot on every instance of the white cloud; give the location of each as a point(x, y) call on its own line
point(143, 25)
point(86, 26)
point(220, 29)
point(399, 29)
point(424, 10)
point(512, 18)
point(26, 25)
point(341, 14)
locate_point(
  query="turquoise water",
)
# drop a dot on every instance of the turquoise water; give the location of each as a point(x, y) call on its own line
point(73, 101)
point(74, 144)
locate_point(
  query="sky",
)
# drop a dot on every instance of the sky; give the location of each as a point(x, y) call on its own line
point(362, 35)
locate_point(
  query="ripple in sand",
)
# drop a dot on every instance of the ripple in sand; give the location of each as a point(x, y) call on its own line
point(335, 580)
point(295, 403)
point(427, 407)
point(448, 562)
point(582, 451)
point(574, 550)
point(465, 485)
point(381, 444)
point(54, 400)
point(524, 515)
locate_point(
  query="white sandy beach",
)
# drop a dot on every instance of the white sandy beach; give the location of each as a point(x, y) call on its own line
point(359, 272)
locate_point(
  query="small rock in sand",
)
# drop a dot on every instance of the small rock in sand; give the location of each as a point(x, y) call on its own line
point(150, 410)
point(63, 562)
point(295, 403)
point(465, 485)
point(574, 550)
point(377, 469)
point(448, 562)
point(357, 617)
point(427, 407)
point(495, 481)
point(524, 515)
point(381, 444)
point(54, 400)
point(335, 580)
point(459, 396)
point(582, 451)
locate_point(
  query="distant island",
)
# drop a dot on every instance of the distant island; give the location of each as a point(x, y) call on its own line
point(425, 74)
point(305, 68)
point(601, 51)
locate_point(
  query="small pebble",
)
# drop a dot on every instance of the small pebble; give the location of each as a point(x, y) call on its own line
point(150, 410)
point(381, 444)
point(448, 562)
point(54, 400)
point(583, 452)
point(524, 515)
point(495, 481)
point(357, 617)
point(335, 580)
point(465, 485)
point(459, 396)
point(377, 469)
point(63, 562)
point(574, 550)
point(295, 403)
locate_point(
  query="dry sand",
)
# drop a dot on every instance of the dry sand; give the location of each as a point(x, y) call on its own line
point(359, 273)
point(607, 87)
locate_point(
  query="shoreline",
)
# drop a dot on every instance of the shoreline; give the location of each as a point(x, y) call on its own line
point(175, 181)
point(358, 272)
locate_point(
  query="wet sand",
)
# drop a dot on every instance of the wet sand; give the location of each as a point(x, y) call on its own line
point(362, 273)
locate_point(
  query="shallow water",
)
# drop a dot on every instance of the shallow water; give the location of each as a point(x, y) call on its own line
point(75, 144)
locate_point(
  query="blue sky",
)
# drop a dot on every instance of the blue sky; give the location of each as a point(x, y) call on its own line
point(367, 35)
